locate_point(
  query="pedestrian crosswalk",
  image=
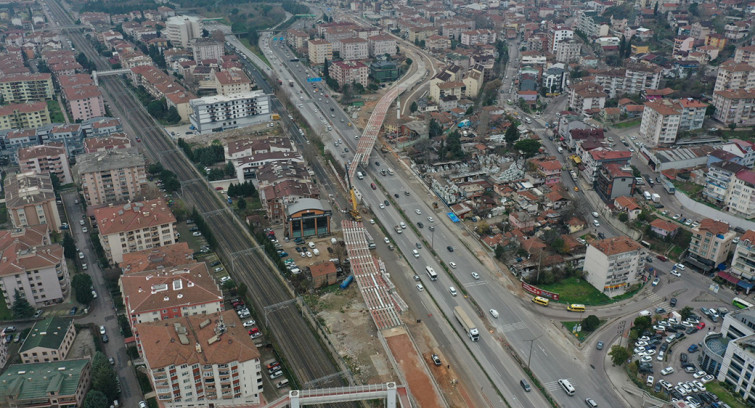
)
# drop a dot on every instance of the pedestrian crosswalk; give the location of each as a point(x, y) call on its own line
point(475, 283)
point(553, 385)
point(510, 327)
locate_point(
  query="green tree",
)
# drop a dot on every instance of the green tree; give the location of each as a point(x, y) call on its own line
point(229, 169)
point(499, 251)
point(435, 128)
point(156, 109)
point(21, 308)
point(470, 110)
point(453, 146)
point(172, 116)
point(69, 246)
point(103, 377)
point(619, 355)
point(511, 135)
point(590, 323)
point(95, 399)
point(55, 182)
point(686, 312)
point(623, 217)
point(82, 287)
point(325, 70)
point(413, 107)
point(528, 147)
point(241, 204)
point(642, 323)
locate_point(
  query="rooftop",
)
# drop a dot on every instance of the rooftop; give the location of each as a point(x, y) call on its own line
point(133, 216)
point(616, 245)
point(109, 160)
point(48, 333)
point(157, 258)
point(713, 226)
point(38, 380)
point(23, 189)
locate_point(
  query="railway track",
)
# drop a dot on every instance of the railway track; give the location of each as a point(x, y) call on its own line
point(307, 358)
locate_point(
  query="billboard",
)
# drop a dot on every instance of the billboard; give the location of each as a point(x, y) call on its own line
point(539, 292)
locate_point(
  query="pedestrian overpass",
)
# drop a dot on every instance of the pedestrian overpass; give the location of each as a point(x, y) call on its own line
point(390, 392)
point(96, 74)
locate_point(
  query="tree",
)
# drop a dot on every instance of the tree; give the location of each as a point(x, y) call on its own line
point(642, 323)
point(103, 377)
point(21, 308)
point(686, 312)
point(499, 251)
point(241, 204)
point(511, 135)
point(413, 107)
point(453, 146)
point(470, 110)
point(95, 399)
point(623, 217)
point(325, 71)
point(156, 109)
point(435, 128)
point(82, 287)
point(528, 147)
point(55, 182)
point(619, 355)
point(205, 33)
point(229, 169)
point(590, 323)
point(172, 116)
point(69, 246)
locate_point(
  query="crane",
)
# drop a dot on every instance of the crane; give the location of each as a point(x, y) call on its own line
point(354, 206)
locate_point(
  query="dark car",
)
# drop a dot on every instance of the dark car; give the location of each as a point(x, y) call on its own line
point(73, 310)
point(450, 248)
point(105, 339)
point(387, 204)
point(599, 346)
point(376, 163)
point(421, 225)
point(662, 258)
point(216, 263)
point(601, 235)
point(691, 330)
point(657, 387)
point(395, 195)
point(683, 357)
point(693, 348)
point(672, 302)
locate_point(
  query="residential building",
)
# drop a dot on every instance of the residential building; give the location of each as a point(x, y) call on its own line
point(24, 115)
point(297, 39)
point(50, 339)
point(349, 72)
point(592, 24)
point(660, 122)
point(737, 343)
point(163, 257)
point(220, 112)
point(639, 77)
point(613, 181)
point(628, 205)
point(46, 159)
point(437, 43)
point(181, 30)
point(596, 158)
point(319, 51)
point(112, 176)
point(711, 243)
point(201, 360)
point(22, 88)
point(207, 49)
point(441, 90)
point(30, 200)
point(104, 143)
point(135, 227)
point(231, 82)
point(745, 54)
point(741, 198)
point(4, 347)
point(84, 102)
point(472, 38)
point(559, 34)
point(353, 49)
point(587, 96)
point(735, 75)
point(663, 228)
point(33, 266)
point(614, 265)
point(323, 274)
point(56, 384)
point(693, 114)
point(568, 51)
point(382, 44)
point(718, 180)
point(735, 106)
point(163, 294)
point(275, 198)
point(743, 262)
point(548, 169)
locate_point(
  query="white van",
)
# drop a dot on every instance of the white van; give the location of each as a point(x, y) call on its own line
point(360, 176)
point(281, 383)
point(647, 195)
point(452, 290)
point(311, 244)
point(566, 385)
point(316, 251)
point(415, 253)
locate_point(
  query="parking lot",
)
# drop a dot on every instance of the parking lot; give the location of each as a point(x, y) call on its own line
point(669, 352)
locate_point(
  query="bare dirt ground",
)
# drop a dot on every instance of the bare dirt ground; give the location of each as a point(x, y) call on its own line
point(251, 132)
point(408, 360)
point(354, 334)
point(83, 345)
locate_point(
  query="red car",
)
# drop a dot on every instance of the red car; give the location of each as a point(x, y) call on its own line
point(700, 326)
point(273, 364)
point(254, 330)
point(662, 258)
point(374, 187)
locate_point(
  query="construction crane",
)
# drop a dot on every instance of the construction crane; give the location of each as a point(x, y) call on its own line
point(354, 206)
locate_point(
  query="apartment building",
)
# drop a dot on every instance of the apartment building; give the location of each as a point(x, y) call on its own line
point(164, 257)
point(319, 51)
point(743, 262)
point(29, 115)
point(231, 82)
point(56, 384)
point(382, 44)
point(639, 77)
point(718, 181)
point(711, 242)
point(220, 112)
point(135, 227)
point(354, 49)
point(207, 49)
point(46, 159)
point(594, 159)
point(614, 265)
point(349, 72)
point(84, 102)
point(182, 30)
point(30, 200)
point(32, 266)
point(558, 34)
point(163, 294)
point(741, 197)
point(735, 75)
point(104, 143)
point(50, 339)
point(568, 51)
point(113, 176)
point(201, 360)
point(737, 344)
point(587, 96)
point(745, 54)
point(735, 106)
point(21, 88)
point(693, 114)
point(296, 39)
point(472, 38)
point(660, 122)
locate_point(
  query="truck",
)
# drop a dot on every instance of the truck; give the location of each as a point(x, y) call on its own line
point(466, 323)
point(656, 198)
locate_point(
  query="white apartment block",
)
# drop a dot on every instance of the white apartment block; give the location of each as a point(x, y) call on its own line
point(382, 44)
point(614, 265)
point(181, 30)
point(737, 367)
point(478, 37)
point(319, 51)
point(200, 361)
point(660, 122)
point(639, 77)
point(743, 262)
point(568, 51)
point(711, 241)
point(693, 114)
point(33, 266)
point(113, 176)
point(735, 106)
point(207, 49)
point(220, 112)
point(741, 198)
point(557, 35)
point(135, 227)
point(46, 159)
point(735, 75)
point(586, 96)
point(745, 54)
point(354, 49)
point(346, 73)
point(232, 81)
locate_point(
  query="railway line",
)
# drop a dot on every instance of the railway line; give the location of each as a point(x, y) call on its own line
point(307, 357)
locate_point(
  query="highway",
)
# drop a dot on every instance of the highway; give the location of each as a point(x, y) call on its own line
point(305, 356)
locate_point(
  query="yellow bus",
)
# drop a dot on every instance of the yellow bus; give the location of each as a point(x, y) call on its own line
point(575, 307)
point(540, 300)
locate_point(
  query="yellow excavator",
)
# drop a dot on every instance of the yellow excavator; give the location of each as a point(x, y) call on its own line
point(354, 205)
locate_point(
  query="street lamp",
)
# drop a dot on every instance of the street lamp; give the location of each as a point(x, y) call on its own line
point(532, 343)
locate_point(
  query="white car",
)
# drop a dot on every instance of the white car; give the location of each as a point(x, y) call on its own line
point(648, 352)
point(452, 265)
point(646, 359)
point(81, 255)
point(476, 275)
point(595, 223)
point(494, 313)
point(595, 214)
point(639, 350)
point(420, 287)
point(249, 323)
point(102, 329)
point(309, 254)
point(699, 374)
point(708, 378)
point(382, 205)
point(430, 219)
point(84, 230)
point(372, 221)
point(196, 234)
point(640, 343)
point(679, 266)
point(667, 371)
point(676, 273)
point(418, 211)
point(386, 240)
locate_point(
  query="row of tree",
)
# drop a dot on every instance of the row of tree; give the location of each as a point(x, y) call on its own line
point(206, 156)
point(167, 177)
point(104, 383)
point(245, 189)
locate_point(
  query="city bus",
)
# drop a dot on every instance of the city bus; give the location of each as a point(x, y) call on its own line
point(575, 307)
point(431, 273)
point(540, 300)
point(741, 303)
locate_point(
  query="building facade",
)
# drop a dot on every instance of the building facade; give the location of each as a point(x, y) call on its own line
point(26, 88)
point(347, 73)
point(46, 159)
point(711, 242)
point(49, 340)
point(735, 106)
point(660, 122)
point(181, 30)
point(743, 262)
point(30, 200)
point(319, 51)
point(614, 265)
point(219, 112)
point(354, 49)
point(113, 176)
point(29, 115)
point(207, 49)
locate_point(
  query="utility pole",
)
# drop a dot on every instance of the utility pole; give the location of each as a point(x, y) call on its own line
point(532, 343)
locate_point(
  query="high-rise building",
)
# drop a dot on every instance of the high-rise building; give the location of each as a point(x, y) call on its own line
point(46, 159)
point(113, 176)
point(30, 200)
point(614, 265)
point(181, 30)
point(211, 113)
